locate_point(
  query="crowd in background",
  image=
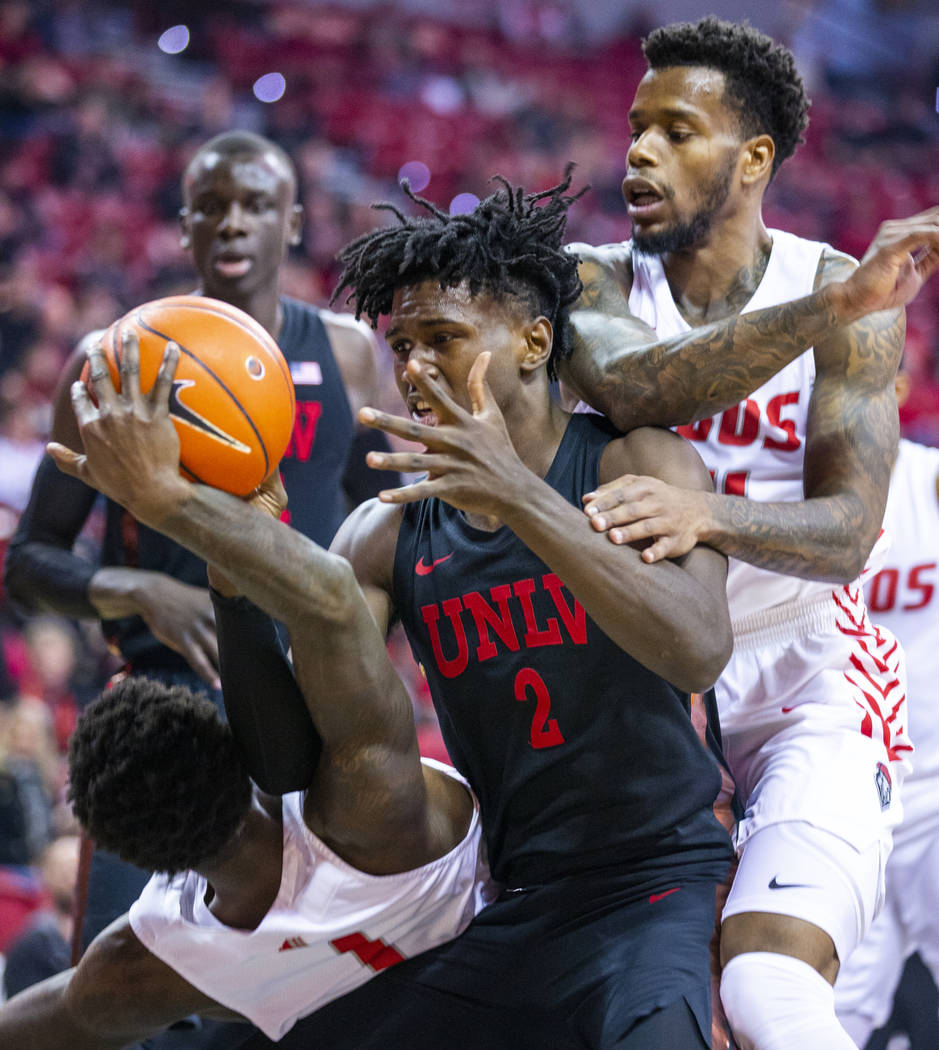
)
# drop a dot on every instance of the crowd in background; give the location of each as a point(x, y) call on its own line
point(96, 123)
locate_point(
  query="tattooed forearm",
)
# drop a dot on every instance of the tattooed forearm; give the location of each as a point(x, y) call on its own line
point(805, 539)
point(690, 376)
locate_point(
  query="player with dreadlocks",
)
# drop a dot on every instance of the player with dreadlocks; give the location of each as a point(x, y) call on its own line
point(560, 664)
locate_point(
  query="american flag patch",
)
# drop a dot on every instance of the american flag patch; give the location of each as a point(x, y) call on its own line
point(306, 373)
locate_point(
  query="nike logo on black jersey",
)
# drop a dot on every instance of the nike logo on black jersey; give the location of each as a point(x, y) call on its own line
point(192, 419)
point(425, 570)
point(774, 885)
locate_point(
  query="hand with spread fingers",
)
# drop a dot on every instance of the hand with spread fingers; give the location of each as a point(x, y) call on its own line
point(634, 509)
point(131, 446)
point(468, 456)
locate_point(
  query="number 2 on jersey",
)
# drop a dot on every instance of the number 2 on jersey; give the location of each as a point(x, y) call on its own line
point(544, 730)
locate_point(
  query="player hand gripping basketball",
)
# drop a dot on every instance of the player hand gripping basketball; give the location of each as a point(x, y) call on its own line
point(468, 457)
point(131, 446)
point(635, 509)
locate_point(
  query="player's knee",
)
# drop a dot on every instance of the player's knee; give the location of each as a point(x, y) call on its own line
point(777, 1002)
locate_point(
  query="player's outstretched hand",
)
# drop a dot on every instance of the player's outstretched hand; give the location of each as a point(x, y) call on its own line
point(643, 510)
point(900, 259)
point(131, 446)
point(468, 457)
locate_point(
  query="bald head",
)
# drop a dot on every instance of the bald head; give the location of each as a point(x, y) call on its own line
point(245, 145)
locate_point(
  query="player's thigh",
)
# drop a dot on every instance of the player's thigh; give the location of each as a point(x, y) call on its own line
point(803, 892)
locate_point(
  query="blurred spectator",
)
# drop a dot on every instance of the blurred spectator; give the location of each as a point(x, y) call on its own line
point(43, 945)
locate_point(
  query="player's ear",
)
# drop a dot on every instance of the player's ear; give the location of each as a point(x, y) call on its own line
point(539, 338)
point(295, 224)
point(184, 239)
point(758, 158)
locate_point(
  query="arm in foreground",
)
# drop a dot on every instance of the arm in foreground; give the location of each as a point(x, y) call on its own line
point(359, 706)
point(851, 443)
point(118, 994)
point(622, 369)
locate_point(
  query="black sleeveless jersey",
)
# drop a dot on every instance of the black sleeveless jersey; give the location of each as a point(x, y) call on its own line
point(323, 429)
point(582, 759)
point(312, 470)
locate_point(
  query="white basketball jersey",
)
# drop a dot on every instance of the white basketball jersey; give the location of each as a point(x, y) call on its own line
point(330, 929)
point(755, 449)
point(902, 597)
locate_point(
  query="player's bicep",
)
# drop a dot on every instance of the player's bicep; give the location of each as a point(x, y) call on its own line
point(98, 999)
point(367, 540)
point(853, 425)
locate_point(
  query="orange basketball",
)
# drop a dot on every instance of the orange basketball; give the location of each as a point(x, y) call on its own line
point(232, 401)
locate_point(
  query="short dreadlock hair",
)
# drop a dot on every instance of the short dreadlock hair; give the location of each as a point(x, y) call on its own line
point(762, 83)
point(509, 245)
point(156, 777)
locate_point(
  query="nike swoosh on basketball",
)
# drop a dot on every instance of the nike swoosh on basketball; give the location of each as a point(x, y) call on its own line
point(190, 418)
point(774, 885)
point(425, 570)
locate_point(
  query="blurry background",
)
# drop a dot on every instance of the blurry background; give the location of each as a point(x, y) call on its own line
point(101, 105)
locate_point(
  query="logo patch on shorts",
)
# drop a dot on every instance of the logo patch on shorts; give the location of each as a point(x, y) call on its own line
point(883, 784)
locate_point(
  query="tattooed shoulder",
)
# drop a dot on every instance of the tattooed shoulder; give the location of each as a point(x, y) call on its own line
point(606, 273)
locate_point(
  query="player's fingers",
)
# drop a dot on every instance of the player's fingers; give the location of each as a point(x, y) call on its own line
point(431, 391)
point(476, 383)
point(66, 460)
point(130, 367)
point(398, 425)
point(99, 375)
point(408, 493)
point(635, 531)
point(200, 661)
point(605, 496)
point(84, 408)
point(658, 551)
point(621, 509)
point(160, 394)
point(409, 462)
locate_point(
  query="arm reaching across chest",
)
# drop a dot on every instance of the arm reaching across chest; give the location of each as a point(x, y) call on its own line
point(851, 439)
point(621, 369)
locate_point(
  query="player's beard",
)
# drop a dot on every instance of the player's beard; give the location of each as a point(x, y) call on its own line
point(689, 233)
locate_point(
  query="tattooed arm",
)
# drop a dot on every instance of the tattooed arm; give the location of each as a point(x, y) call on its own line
point(620, 368)
point(851, 443)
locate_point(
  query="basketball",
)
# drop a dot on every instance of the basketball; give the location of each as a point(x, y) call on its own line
point(232, 400)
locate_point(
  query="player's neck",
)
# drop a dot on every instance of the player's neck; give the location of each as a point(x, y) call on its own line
point(263, 305)
point(245, 881)
point(718, 278)
point(536, 424)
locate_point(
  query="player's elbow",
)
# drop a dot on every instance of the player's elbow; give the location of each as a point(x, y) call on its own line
point(704, 658)
point(335, 598)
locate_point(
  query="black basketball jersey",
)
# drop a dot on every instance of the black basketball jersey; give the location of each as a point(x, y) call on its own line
point(582, 759)
point(323, 430)
point(312, 471)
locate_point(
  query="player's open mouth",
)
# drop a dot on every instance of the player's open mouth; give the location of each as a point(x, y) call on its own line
point(232, 266)
point(421, 412)
point(642, 198)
